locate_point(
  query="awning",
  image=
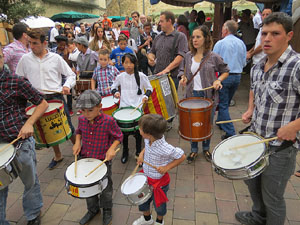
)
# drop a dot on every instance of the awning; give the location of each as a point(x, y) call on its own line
point(190, 3)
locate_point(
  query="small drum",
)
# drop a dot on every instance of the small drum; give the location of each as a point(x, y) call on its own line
point(109, 104)
point(163, 99)
point(53, 127)
point(127, 119)
point(82, 85)
point(82, 186)
point(195, 119)
point(136, 189)
point(9, 166)
point(240, 164)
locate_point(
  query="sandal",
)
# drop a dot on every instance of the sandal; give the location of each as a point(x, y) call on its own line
point(192, 157)
point(207, 155)
point(297, 174)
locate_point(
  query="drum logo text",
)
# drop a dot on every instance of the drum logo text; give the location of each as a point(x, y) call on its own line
point(197, 124)
point(55, 116)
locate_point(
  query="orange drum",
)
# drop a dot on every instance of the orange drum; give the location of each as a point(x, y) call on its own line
point(195, 119)
point(82, 85)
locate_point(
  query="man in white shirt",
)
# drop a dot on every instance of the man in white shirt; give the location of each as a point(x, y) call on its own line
point(54, 32)
point(43, 69)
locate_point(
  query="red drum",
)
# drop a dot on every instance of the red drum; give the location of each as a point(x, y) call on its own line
point(82, 85)
point(195, 119)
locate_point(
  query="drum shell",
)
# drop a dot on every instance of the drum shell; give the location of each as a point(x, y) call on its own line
point(82, 85)
point(128, 125)
point(195, 124)
point(109, 110)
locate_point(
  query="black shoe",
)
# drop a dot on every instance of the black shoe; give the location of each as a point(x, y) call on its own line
point(192, 157)
point(207, 155)
point(36, 221)
point(87, 217)
point(225, 136)
point(246, 218)
point(124, 158)
point(107, 216)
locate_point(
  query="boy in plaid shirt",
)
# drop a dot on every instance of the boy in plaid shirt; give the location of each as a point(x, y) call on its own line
point(97, 136)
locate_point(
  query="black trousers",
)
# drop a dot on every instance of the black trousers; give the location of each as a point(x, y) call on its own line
point(138, 141)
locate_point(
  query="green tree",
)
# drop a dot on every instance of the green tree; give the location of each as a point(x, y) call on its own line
point(15, 10)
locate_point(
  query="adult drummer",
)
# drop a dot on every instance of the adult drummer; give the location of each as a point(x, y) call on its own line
point(43, 69)
point(15, 91)
point(274, 110)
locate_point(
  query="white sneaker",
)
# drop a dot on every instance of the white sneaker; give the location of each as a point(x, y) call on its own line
point(156, 223)
point(142, 221)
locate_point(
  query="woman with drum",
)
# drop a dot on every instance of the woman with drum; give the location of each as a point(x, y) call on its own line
point(197, 72)
point(99, 41)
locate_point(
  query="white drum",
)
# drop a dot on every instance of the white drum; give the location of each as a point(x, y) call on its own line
point(109, 104)
point(9, 166)
point(136, 189)
point(127, 118)
point(243, 163)
point(82, 186)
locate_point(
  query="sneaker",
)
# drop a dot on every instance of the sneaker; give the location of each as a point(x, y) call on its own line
point(157, 223)
point(71, 113)
point(54, 163)
point(87, 218)
point(36, 221)
point(246, 218)
point(107, 216)
point(79, 112)
point(207, 155)
point(192, 157)
point(232, 103)
point(142, 221)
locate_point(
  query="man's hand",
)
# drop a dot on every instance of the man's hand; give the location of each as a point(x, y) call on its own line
point(65, 90)
point(217, 85)
point(287, 132)
point(247, 116)
point(26, 131)
point(165, 71)
point(183, 81)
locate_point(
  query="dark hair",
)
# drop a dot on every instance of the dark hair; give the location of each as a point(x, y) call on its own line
point(122, 37)
point(19, 29)
point(153, 124)
point(134, 60)
point(104, 52)
point(70, 32)
point(37, 33)
point(135, 12)
point(147, 24)
point(280, 18)
point(182, 20)
point(207, 39)
point(93, 29)
point(71, 41)
point(201, 17)
point(169, 16)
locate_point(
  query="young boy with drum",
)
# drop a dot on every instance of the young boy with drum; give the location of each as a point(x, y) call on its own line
point(104, 74)
point(97, 136)
point(164, 157)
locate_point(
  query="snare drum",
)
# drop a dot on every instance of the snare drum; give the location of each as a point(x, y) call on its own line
point(82, 85)
point(82, 186)
point(195, 119)
point(127, 119)
point(109, 104)
point(243, 163)
point(136, 189)
point(53, 127)
point(9, 166)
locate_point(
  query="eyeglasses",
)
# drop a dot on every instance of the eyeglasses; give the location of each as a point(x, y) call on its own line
point(67, 28)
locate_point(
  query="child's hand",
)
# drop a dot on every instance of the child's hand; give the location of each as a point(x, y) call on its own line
point(162, 169)
point(145, 99)
point(76, 148)
point(110, 154)
point(117, 95)
point(140, 159)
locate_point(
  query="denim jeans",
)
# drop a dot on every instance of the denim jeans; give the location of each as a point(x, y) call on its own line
point(230, 85)
point(206, 143)
point(32, 197)
point(267, 189)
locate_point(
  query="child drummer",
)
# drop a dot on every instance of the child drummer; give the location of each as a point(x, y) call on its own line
point(164, 156)
point(97, 136)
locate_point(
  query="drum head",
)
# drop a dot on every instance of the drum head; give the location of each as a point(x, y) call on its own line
point(84, 166)
point(107, 101)
point(227, 158)
point(127, 114)
point(194, 103)
point(52, 106)
point(7, 155)
point(134, 183)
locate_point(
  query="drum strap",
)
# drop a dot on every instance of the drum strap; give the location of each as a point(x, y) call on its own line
point(200, 66)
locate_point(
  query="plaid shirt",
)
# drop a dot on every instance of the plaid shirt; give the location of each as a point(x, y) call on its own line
point(105, 77)
point(14, 93)
point(96, 138)
point(276, 95)
point(160, 153)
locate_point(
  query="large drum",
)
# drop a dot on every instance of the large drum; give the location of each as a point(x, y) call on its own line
point(53, 127)
point(82, 85)
point(136, 189)
point(163, 99)
point(82, 186)
point(242, 163)
point(109, 104)
point(195, 119)
point(9, 165)
point(127, 118)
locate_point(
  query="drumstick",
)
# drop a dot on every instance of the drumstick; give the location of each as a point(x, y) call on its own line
point(206, 88)
point(134, 171)
point(75, 169)
point(228, 121)
point(107, 88)
point(148, 164)
point(255, 143)
point(136, 108)
point(9, 144)
point(105, 160)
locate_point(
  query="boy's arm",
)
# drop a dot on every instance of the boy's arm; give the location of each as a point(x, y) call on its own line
point(111, 153)
point(77, 145)
point(171, 165)
point(140, 159)
point(93, 84)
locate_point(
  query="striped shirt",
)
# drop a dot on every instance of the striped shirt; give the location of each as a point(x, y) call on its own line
point(276, 95)
point(160, 153)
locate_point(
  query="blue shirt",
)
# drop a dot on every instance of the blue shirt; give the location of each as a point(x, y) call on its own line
point(233, 51)
point(117, 55)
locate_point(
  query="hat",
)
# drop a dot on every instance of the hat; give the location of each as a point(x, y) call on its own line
point(57, 23)
point(126, 33)
point(247, 12)
point(88, 99)
point(82, 40)
point(59, 38)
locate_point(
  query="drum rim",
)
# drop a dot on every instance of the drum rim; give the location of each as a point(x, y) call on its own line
point(128, 121)
point(10, 159)
point(50, 112)
point(110, 107)
point(195, 98)
point(127, 179)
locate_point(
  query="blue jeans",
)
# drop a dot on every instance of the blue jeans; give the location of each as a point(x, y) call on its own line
point(206, 143)
point(32, 197)
point(230, 85)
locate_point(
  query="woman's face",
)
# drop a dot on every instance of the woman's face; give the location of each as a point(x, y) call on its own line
point(100, 33)
point(95, 26)
point(198, 39)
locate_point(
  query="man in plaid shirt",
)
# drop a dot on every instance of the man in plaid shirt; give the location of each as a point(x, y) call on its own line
point(15, 91)
point(274, 109)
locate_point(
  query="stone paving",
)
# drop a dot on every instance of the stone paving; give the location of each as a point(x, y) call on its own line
point(197, 195)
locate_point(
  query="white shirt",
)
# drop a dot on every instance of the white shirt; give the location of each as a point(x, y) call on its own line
point(53, 34)
point(197, 78)
point(129, 88)
point(74, 55)
point(256, 58)
point(46, 73)
point(131, 44)
point(257, 20)
point(100, 43)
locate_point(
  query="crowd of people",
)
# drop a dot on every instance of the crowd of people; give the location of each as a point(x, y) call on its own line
point(115, 60)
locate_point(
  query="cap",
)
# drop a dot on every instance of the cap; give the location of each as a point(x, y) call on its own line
point(82, 40)
point(57, 23)
point(88, 99)
point(247, 12)
point(126, 33)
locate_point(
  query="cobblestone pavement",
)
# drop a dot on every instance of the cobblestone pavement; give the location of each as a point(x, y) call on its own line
point(197, 195)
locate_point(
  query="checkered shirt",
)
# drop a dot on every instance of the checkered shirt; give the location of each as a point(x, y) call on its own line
point(276, 95)
point(105, 77)
point(14, 93)
point(96, 138)
point(160, 153)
